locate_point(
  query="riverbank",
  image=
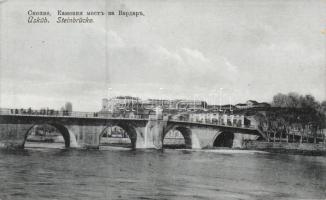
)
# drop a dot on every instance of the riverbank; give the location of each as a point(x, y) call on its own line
point(288, 148)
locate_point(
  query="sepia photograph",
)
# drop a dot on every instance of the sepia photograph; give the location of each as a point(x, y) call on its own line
point(162, 99)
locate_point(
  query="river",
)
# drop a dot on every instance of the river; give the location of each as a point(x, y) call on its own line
point(41, 173)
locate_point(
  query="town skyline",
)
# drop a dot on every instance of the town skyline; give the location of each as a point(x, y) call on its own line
point(210, 102)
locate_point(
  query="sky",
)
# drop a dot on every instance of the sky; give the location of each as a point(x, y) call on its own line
point(228, 51)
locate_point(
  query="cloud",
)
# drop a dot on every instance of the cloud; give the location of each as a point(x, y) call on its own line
point(230, 67)
point(194, 55)
point(148, 64)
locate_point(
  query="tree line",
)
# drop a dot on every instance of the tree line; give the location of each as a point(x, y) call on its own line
point(295, 110)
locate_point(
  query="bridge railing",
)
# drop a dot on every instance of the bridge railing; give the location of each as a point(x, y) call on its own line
point(78, 114)
point(219, 123)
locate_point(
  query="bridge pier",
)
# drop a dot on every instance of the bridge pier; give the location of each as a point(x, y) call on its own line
point(13, 135)
point(203, 138)
point(151, 136)
point(240, 138)
point(85, 136)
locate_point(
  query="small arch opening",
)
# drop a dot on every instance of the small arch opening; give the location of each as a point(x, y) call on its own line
point(224, 139)
point(177, 138)
point(47, 136)
point(117, 137)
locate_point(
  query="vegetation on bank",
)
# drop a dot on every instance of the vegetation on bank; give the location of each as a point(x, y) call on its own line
point(303, 109)
point(292, 112)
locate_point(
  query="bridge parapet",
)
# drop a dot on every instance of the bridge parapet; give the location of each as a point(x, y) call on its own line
point(73, 114)
point(216, 123)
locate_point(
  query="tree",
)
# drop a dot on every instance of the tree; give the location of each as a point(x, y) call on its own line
point(68, 107)
point(293, 100)
point(279, 100)
point(308, 101)
point(296, 110)
point(323, 107)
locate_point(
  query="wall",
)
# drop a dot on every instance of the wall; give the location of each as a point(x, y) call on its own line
point(203, 137)
point(287, 146)
point(13, 135)
point(240, 138)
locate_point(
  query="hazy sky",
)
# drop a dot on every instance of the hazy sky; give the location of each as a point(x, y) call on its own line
point(190, 49)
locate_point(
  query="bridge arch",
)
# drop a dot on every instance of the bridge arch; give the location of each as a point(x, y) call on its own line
point(61, 129)
point(128, 128)
point(185, 132)
point(224, 139)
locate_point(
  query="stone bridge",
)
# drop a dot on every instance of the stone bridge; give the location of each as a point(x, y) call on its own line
point(85, 131)
point(206, 135)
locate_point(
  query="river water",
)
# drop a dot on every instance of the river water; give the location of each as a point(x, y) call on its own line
point(40, 173)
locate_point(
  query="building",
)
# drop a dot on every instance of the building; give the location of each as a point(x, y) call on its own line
point(119, 103)
point(190, 105)
point(128, 103)
point(262, 105)
point(217, 118)
point(252, 104)
point(151, 104)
